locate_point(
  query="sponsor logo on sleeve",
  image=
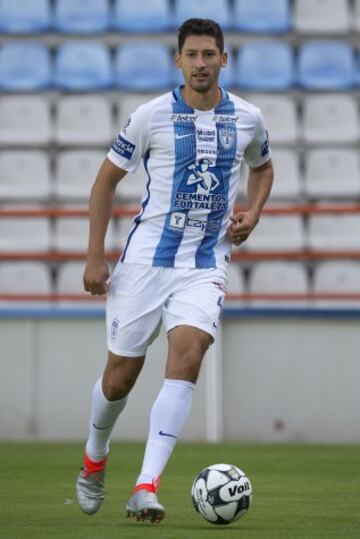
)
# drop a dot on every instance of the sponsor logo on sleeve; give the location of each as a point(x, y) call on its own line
point(123, 147)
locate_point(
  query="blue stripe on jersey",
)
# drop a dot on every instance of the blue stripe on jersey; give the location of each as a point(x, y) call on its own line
point(205, 254)
point(185, 153)
point(145, 202)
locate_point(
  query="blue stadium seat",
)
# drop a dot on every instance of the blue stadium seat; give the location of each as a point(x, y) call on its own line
point(265, 66)
point(262, 16)
point(144, 16)
point(83, 66)
point(24, 66)
point(78, 17)
point(23, 16)
point(218, 10)
point(143, 66)
point(326, 65)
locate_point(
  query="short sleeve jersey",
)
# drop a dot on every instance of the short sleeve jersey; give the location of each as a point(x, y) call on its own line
point(192, 160)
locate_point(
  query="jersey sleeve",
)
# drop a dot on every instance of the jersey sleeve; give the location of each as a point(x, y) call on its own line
point(258, 151)
point(132, 142)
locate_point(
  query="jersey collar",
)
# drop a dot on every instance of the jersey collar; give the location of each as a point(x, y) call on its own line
point(177, 93)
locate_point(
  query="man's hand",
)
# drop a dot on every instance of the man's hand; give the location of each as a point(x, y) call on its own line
point(241, 226)
point(95, 277)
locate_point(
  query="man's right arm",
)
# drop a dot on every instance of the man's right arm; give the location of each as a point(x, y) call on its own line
point(101, 199)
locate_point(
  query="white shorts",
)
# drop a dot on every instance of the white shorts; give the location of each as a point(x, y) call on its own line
point(140, 297)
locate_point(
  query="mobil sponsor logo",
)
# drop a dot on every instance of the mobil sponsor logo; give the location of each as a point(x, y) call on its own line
point(205, 135)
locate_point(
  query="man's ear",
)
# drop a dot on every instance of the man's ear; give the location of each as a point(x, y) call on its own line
point(224, 59)
point(177, 60)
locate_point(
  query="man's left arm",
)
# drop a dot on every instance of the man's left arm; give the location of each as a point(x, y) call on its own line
point(259, 186)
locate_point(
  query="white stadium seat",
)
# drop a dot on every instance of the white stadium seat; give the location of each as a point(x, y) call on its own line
point(72, 233)
point(356, 15)
point(277, 233)
point(25, 175)
point(337, 276)
point(280, 116)
point(84, 120)
point(236, 281)
point(24, 120)
point(322, 16)
point(75, 173)
point(334, 232)
point(287, 178)
point(25, 234)
point(332, 173)
point(330, 118)
point(279, 278)
point(25, 278)
point(70, 278)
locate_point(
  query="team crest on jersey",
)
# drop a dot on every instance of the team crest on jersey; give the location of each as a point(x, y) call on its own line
point(227, 137)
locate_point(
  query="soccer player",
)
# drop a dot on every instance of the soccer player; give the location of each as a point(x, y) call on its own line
point(174, 266)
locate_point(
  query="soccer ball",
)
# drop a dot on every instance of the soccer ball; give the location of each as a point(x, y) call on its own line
point(221, 493)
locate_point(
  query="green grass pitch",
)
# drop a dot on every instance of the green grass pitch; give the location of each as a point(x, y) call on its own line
point(300, 491)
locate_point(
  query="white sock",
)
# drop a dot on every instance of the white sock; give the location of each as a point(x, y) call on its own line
point(103, 417)
point(167, 419)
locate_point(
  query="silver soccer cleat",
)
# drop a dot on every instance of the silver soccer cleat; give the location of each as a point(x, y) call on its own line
point(144, 505)
point(90, 490)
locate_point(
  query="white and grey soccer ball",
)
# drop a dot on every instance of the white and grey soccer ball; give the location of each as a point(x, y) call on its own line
point(221, 493)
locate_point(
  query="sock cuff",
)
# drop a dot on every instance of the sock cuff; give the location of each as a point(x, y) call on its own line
point(179, 383)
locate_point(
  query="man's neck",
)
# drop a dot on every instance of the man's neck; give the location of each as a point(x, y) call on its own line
point(202, 101)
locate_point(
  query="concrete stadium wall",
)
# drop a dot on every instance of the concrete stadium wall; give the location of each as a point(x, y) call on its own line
point(273, 379)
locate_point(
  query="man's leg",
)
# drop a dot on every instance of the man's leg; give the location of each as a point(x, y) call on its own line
point(108, 401)
point(187, 347)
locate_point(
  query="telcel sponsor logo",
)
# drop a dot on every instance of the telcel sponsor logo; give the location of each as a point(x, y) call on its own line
point(184, 118)
point(224, 118)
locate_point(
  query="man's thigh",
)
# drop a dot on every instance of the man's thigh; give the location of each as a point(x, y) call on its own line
point(133, 309)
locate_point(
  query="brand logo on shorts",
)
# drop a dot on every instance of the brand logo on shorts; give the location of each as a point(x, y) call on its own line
point(114, 328)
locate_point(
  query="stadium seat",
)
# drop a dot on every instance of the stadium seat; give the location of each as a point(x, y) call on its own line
point(70, 278)
point(259, 16)
point(236, 281)
point(143, 66)
point(337, 276)
point(25, 278)
point(24, 66)
point(281, 277)
point(81, 17)
point(280, 117)
point(72, 233)
point(329, 232)
point(24, 16)
point(276, 73)
point(356, 16)
point(145, 16)
point(24, 120)
point(84, 120)
point(330, 118)
point(322, 16)
point(332, 173)
point(29, 234)
point(25, 175)
point(326, 65)
point(83, 66)
point(287, 181)
point(75, 173)
point(218, 10)
point(277, 233)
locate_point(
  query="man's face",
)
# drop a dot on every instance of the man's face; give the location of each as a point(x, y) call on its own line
point(200, 61)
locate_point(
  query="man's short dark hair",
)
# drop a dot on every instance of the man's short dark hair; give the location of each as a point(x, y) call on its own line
point(201, 27)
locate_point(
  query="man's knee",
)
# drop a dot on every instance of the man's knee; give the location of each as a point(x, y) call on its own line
point(120, 376)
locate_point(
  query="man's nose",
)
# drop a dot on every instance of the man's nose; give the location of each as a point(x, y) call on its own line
point(200, 61)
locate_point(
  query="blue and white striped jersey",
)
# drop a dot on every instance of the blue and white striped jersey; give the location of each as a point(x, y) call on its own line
point(192, 159)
